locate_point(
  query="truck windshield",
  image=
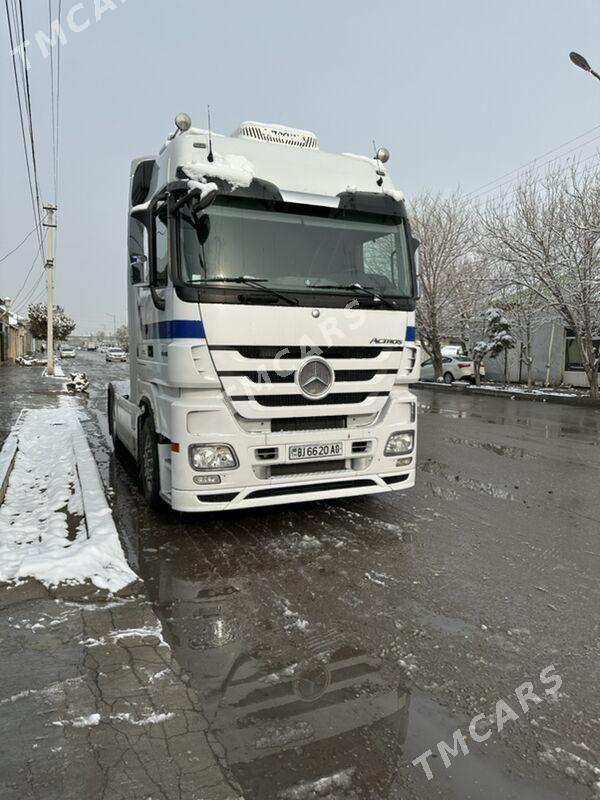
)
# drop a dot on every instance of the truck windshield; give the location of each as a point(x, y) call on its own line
point(296, 249)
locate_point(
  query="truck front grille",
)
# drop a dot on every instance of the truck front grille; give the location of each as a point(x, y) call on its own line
point(278, 400)
point(286, 424)
point(278, 352)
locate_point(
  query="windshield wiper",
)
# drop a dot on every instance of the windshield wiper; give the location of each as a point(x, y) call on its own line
point(257, 283)
point(358, 288)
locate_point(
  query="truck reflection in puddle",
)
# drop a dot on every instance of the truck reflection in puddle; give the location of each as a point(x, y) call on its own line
point(298, 715)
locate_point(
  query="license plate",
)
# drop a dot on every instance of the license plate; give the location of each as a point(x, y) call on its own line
point(323, 450)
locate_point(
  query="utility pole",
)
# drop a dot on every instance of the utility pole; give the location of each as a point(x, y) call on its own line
point(51, 225)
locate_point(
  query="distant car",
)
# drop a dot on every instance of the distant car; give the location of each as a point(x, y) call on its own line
point(454, 368)
point(115, 354)
point(453, 350)
point(65, 351)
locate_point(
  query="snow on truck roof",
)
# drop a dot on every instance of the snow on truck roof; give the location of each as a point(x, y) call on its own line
point(289, 158)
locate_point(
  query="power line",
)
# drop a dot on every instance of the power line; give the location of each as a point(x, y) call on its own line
point(540, 178)
point(14, 250)
point(36, 182)
point(535, 169)
point(52, 103)
point(37, 255)
point(57, 154)
point(55, 96)
point(533, 160)
point(26, 300)
point(10, 24)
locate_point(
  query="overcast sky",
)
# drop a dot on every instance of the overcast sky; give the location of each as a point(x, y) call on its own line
point(460, 92)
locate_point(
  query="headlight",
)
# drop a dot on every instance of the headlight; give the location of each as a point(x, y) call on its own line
point(212, 456)
point(399, 443)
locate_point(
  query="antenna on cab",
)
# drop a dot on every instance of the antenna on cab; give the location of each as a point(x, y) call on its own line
point(210, 156)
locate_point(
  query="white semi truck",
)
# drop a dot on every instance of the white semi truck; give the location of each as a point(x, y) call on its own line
point(271, 300)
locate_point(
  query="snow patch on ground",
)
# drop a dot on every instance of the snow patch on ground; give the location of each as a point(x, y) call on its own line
point(55, 524)
point(328, 786)
point(79, 722)
point(236, 170)
point(574, 766)
point(516, 389)
point(95, 719)
point(127, 633)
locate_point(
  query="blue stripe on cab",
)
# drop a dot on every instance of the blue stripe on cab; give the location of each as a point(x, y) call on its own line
point(411, 333)
point(174, 329)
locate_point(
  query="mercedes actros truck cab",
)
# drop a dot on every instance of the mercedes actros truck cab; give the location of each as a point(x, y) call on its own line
point(271, 310)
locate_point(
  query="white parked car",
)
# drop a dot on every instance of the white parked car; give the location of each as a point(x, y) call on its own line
point(66, 351)
point(454, 368)
point(116, 354)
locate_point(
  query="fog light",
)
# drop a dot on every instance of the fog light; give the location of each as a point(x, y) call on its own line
point(212, 456)
point(403, 462)
point(202, 480)
point(399, 443)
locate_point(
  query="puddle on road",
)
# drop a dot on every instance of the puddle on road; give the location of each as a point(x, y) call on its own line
point(312, 714)
point(554, 422)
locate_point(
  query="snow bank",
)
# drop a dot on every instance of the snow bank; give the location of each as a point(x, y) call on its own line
point(55, 524)
point(236, 170)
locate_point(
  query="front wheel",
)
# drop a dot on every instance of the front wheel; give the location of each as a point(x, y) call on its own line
point(148, 462)
point(448, 377)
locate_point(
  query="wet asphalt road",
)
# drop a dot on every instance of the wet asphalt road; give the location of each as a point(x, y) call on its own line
point(345, 638)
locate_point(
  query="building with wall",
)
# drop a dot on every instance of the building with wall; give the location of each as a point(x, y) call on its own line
point(556, 359)
point(15, 337)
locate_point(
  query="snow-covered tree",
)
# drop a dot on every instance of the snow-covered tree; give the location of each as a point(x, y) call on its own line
point(62, 326)
point(498, 338)
point(526, 313)
point(548, 237)
point(449, 270)
point(122, 336)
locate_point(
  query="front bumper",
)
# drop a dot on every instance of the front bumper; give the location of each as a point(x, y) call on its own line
point(292, 492)
point(362, 469)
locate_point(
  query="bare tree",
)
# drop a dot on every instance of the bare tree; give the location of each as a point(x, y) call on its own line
point(445, 228)
point(549, 239)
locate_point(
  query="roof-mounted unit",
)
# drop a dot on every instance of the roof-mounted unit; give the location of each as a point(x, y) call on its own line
point(264, 132)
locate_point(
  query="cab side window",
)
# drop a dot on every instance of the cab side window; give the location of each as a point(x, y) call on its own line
point(160, 267)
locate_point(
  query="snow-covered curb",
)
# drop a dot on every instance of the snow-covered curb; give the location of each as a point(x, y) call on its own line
point(7, 460)
point(59, 373)
point(512, 393)
point(54, 486)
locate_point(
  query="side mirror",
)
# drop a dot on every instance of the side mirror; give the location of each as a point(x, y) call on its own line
point(139, 270)
point(200, 196)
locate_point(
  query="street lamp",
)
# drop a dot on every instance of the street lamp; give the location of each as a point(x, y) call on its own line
point(582, 62)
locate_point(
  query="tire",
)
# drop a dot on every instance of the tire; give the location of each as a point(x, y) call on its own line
point(148, 464)
point(448, 377)
point(112, 428)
